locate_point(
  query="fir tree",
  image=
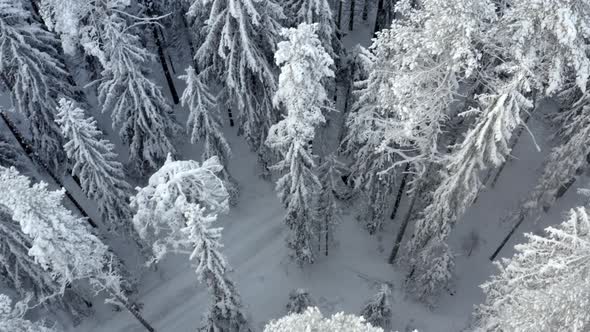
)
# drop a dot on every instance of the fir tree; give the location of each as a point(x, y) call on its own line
point(304, 63)
point(102, 177)
point(136, 104)
point(527, 67)
point(544, 286)
point(204, 125)
point(32, 71)
point(12, 317)
point(313, 320)
point(177, 210)
point(236, 42)
point(316, 11)
point(9, 155)
point(20, 272)
point(377, 311)
point(60, 242)
point(566, 160)
point(299, 301)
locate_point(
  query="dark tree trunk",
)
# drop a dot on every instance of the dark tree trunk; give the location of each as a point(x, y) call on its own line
point(327, 230)
point(230, 116)
point(400, 192)
point(161, 54)
point(402, 230)
point(503, 243)
point(164, 64)
point(351, 17)
point(385, 14)
point(366, 6)
point(339, 19)
point(29, 151)
point(133, 311)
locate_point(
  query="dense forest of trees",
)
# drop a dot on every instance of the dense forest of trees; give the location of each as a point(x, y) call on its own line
point(427, 115)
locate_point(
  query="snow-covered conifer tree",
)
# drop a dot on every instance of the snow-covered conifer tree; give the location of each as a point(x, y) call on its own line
point(236, 43)
point(226, 312)
point(177, 209)
point(545, 285)
point(9, 155)
point(546, 56)
point(316, 11)
point(377, 310)
point(20, 272)
point(304, 63)
point(136, 104)
point(313, 320)
point(60, 241)
point(101, 175)
point(95, 163)
point(566, 160)
point(204, 125)
point(31, 69)
point(12, 317)
point(299, 300)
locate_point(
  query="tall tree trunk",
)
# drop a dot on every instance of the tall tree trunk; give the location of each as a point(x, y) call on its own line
point(29, 151)
point(380, 19)
point(164, 64)
point(327, 230)
point(351, 16)
point(400, 192)
point(402, 230)
point(161, 54)
point(133, 311)
point(339, 19)
point(503, 243)
point(230, 116)
point(385, 14)
point(366, 6)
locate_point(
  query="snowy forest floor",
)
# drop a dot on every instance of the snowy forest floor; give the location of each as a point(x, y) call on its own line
point(255, 247)
point(254, 244)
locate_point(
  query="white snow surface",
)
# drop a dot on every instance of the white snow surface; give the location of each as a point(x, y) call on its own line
point(254, 244)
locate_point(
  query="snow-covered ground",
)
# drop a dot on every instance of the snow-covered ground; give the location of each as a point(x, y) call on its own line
point(254, 244)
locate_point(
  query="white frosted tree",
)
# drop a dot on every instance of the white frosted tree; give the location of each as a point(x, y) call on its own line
point(9, 155)
point(235, 43)
point(299, 301)
point(568, 159)
point(60, 242)
point(485, 145)
point(316, 11)
point(406, 102)
point(304, 63)
point(137, 105)
point(545, 285)
point(12, 317)
point(20, 272)
point(176, 210)
point(549, 53)
point(31, 69)
point(95, 163)
point(204, 125)
point(313, 320)
point(377, 311)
